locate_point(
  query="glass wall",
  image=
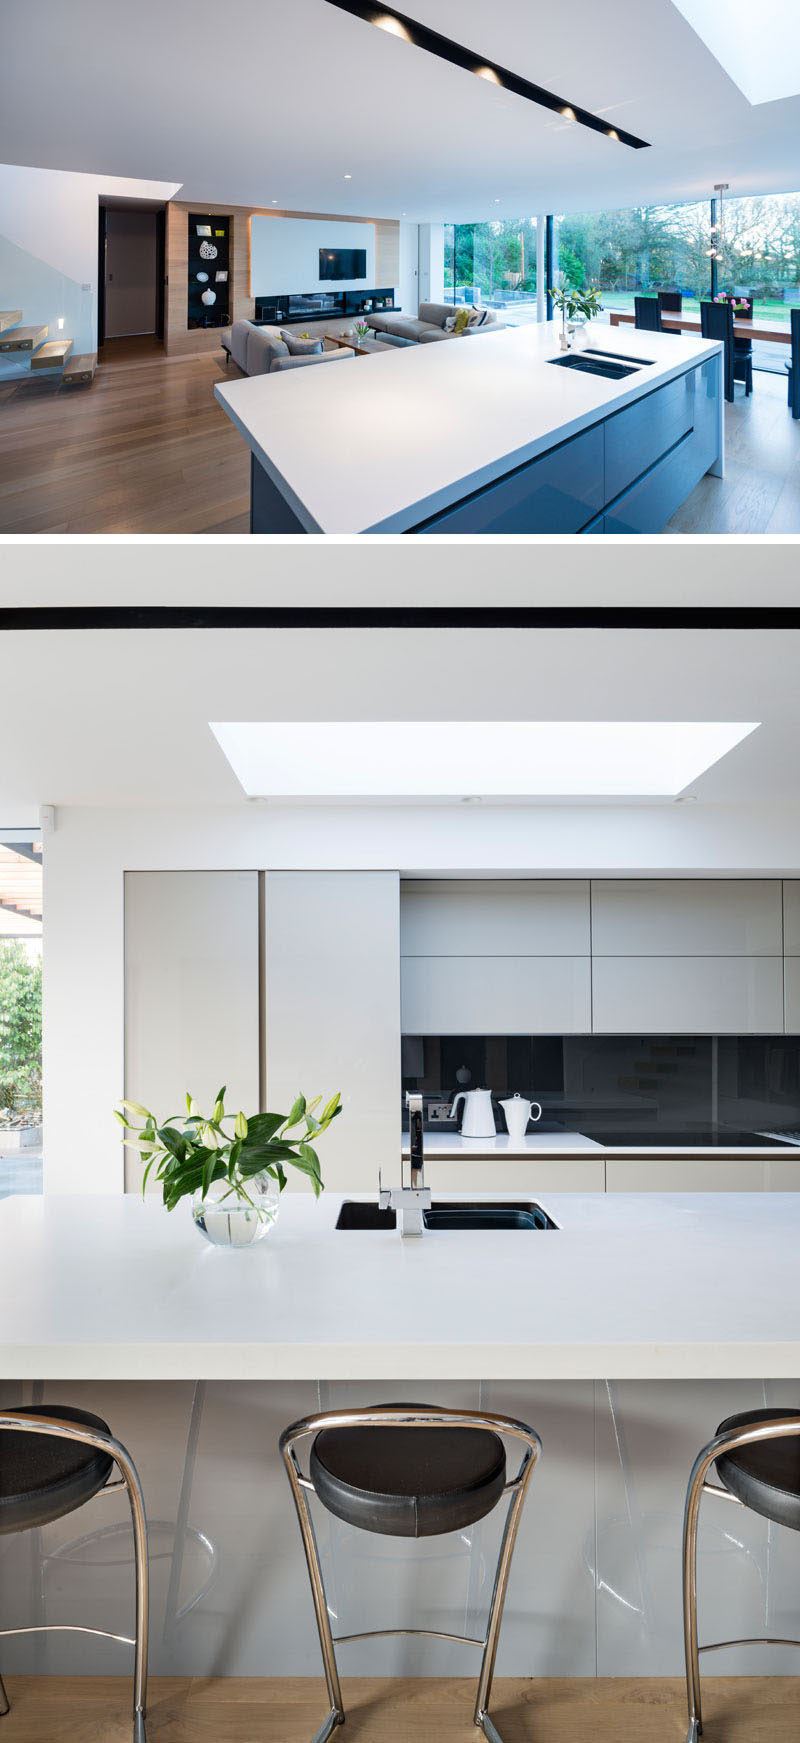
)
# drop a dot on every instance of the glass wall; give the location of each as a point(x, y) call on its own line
point(493, 264)
point(760, 253)
point(20, 1013)
point(637, 250)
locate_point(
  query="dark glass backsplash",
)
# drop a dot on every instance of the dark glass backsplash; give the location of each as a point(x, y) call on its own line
point(620, 1088)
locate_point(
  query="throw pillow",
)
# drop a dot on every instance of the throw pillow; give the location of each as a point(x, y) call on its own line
point(269, 332)
point(301, 347)
point(478, 317)
point(461, 321)
point(449, 324)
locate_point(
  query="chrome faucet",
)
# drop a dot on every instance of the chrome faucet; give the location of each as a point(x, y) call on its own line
point(409, 1201)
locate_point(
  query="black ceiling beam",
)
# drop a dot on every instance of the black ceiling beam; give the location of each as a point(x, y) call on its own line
point(420, 36)
point(259, 617)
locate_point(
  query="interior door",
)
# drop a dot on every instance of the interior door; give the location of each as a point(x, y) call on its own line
point(131, 302)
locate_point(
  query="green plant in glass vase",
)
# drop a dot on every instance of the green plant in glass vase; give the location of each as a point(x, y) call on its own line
point(233, 1168)
point(575, 300)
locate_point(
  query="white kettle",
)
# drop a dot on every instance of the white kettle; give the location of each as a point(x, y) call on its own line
point(518, 1112)
point(478, 1120)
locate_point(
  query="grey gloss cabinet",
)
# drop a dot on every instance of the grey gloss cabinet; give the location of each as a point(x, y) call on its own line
point(557, 493)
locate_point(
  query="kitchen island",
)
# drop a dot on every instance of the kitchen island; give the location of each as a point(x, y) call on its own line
point(487, 435)
point(623, 1335)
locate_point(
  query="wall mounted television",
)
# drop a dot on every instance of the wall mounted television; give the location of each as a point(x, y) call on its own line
point(341, 263)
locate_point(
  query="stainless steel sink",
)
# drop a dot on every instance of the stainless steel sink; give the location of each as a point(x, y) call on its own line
point(466, 1215)
point(607, 366)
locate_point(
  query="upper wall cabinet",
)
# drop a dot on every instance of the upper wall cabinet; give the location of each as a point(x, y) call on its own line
point(496, 995)
point(716, 995)
point(687, 917)
point(494, 917)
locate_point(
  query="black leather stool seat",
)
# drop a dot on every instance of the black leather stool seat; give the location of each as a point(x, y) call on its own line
point(42, 1478)
point(766, 1474)
point(408, 1482)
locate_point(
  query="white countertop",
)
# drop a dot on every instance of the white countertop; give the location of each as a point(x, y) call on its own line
point(533, 1144)
point(563, 1143)
point(674, 1286)
point(389, 439)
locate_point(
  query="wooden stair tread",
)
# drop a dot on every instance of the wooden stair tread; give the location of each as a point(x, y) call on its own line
point(82, 367)
point(24, 338)
point(9, 318)
point(53, 355)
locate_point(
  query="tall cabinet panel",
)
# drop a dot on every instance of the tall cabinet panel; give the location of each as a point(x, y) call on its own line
point(191, 991)
point(791, 945)
point(332, 972)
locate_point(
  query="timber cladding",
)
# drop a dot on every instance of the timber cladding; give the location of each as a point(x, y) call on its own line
point(182, 340)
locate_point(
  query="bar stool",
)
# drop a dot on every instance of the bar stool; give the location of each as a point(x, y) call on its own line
point(409, 1470)
point(757, 1456)
point(44, 1478)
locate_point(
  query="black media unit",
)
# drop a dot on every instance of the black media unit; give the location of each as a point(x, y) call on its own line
point(284, 310)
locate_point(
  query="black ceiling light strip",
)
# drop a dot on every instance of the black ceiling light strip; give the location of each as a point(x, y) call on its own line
point(409, 30)
point(182, 617)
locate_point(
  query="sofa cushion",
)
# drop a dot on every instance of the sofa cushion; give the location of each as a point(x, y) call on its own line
point(381, 323)
point(435, 314)
point(433, 335)
point(262, 350)
point(301, 345)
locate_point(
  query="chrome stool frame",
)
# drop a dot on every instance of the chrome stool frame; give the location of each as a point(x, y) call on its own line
point(698, 1486)
point(395, 1416)
point(32, 1423)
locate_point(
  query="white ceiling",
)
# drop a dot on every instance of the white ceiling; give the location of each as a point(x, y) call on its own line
point(109, 718)
point(258, 102)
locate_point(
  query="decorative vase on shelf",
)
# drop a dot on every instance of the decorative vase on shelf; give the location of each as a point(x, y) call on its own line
point(229, 1220)
point(208, 297)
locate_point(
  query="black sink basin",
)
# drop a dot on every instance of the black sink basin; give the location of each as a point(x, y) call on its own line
point(610, 369)
point(511, 1214)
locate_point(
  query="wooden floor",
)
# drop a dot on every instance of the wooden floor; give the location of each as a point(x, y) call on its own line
point(146, 449)
point(436, 1710)
point(760, 492)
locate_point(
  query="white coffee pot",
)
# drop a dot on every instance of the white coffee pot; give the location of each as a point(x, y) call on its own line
point(478, 1119)
point(518, 1112)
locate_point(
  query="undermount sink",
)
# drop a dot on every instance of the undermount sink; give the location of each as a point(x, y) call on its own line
point(510, 1214)
point(606, 366)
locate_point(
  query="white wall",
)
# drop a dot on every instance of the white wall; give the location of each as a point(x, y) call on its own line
point(284, 254)
point(408, 279)
point(431, 263)
point(49, 228)
point(86, 857)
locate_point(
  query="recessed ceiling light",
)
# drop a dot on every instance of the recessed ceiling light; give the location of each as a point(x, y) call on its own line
point(501, 759)
point(348, 178)
point(568, 114)
point(757, 46)
point(420, 36)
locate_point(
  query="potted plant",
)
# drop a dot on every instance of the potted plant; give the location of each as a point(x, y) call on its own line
point(235, 1177)
point(574, 300)
point(362, 331)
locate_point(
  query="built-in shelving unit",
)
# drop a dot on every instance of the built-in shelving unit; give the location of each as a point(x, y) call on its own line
point(207, 230)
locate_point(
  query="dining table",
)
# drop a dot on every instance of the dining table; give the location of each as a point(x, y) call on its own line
point(672, 321)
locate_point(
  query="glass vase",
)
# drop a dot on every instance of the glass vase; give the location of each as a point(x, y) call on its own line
point(229, 1220)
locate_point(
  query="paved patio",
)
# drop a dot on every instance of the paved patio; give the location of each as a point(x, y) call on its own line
point(20, 1171)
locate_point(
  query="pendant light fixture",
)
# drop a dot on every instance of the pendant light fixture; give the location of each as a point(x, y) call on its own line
point(409, 30)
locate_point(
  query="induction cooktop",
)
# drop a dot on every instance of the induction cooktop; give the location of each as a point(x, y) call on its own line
point(686, 1138)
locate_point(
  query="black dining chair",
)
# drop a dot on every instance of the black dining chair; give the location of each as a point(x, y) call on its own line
point(716, 322)
point(670, 302)
point(648, 314)
point(793, 365)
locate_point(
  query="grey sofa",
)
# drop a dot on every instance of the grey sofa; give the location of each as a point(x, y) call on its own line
point(258, 352)
point(429, 327)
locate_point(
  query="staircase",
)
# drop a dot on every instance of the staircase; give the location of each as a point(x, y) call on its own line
point(54, 354)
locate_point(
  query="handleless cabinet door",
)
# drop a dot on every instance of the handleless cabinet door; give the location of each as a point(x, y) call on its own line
point(491, 995)
point(332, 995)
point(494, 917)
point(686, 917)
point(191, 991)
point(687, 994)
point(791, 916)
point(791, 972)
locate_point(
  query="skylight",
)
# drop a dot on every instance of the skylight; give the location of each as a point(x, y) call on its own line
point(758, 46)
point(447, 759)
